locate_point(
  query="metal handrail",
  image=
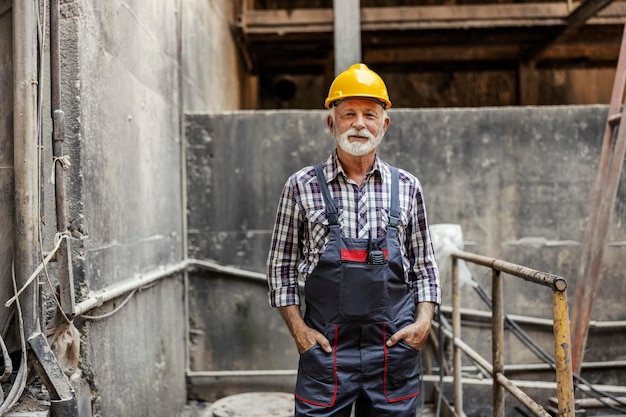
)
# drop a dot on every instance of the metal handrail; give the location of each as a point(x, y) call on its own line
point(562, 343)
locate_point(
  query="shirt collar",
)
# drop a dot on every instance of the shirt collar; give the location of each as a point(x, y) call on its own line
point(333, 167)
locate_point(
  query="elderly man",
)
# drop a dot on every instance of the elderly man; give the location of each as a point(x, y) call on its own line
point(354, 230)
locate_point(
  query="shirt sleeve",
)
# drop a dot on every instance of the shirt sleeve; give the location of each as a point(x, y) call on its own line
point(424, 273)
point(282, 276)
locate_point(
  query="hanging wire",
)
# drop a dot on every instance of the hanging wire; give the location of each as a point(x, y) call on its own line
point(20, 379)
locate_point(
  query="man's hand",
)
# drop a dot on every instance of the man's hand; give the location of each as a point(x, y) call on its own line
point(416, 334)
point(304, 336)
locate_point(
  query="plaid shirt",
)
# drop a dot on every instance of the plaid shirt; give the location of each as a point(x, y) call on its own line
point(301, 229)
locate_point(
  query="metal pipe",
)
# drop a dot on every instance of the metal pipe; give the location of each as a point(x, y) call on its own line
point(564, 375)
point(497, 343)
point(529, 274)
point(456, 328)
point(228, 270)
point(544, 367)
point(521, 396)
point(469, 313)
point(26, 156)
point(97, 298)
point(563, 355)
point(499, 378)
point(100, 297)
point(183, 173)
point(599, 402)
point(347, 33)
point(66, 280)
point(520, 383)
point(246, 373)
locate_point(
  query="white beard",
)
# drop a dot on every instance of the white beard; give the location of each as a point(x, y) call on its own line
point(358, 148)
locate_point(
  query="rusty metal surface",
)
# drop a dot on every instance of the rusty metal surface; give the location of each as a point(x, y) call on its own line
point(563, 355)
point(456, 327)
point(66, 284)
point(538, 277)
point(564, 374)
point(497, 331)
point(602, 203)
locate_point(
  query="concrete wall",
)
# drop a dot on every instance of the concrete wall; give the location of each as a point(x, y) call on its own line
point(7, 205)
point(211, 67)
point(129, 70)
point(517, 180)
point(121, 98)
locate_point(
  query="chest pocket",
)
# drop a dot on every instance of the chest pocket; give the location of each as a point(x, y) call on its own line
point(316, 229)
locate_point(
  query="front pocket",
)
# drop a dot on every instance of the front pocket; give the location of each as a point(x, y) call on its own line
point(402, 375)
point(317, 375)
point(363, 291)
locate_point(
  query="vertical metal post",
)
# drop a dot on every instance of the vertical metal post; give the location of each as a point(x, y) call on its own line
point(456, 330)
point(497, 344)
point(66, 280)
point(25, 156)
point(347, 27)
point(562, 354)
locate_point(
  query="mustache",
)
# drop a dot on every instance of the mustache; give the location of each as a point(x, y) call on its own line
point(358, 132)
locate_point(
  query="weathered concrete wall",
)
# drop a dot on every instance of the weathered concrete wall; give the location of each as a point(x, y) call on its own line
point(7, 197)
point(211, 67)
point(517, 180)
point(121, 98)
point(130, 68)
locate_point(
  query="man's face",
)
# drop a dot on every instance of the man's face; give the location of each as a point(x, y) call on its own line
point(358, 125)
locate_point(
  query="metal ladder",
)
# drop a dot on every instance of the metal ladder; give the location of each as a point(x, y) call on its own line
point(603, 200)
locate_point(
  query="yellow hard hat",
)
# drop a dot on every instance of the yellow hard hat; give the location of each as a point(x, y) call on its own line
point(358, 81)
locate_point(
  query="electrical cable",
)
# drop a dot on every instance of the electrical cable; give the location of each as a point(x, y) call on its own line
point(20, 380)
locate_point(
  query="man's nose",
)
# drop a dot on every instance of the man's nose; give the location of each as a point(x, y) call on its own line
point(359, 122)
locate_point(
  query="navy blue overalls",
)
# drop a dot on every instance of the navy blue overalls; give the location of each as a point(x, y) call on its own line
point(358, 305)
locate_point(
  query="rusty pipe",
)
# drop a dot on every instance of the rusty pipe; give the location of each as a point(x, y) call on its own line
point(66, 281)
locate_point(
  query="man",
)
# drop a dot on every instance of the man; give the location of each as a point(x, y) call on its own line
point(355, 231)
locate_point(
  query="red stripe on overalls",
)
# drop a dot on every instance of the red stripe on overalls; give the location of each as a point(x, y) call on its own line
point(358, 255)
point(332, 402)
point(385, 370)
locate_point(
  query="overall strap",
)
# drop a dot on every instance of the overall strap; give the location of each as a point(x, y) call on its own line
point(332, 212)
point(394, 211)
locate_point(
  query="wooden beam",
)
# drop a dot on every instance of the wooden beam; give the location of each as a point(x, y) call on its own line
point(584, 12)
point(284, 22)
point(455, 53)
point(5, 6)
point(575, 21)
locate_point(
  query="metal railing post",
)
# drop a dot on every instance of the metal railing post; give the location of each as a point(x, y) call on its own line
point(456, 329)
point(563, 351)
point(497, 329)
point(562, 344)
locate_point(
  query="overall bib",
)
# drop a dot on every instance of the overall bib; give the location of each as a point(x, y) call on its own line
point(357, 297)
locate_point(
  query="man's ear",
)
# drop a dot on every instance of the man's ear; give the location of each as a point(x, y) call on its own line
point(330, 123)
point(386, 124)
